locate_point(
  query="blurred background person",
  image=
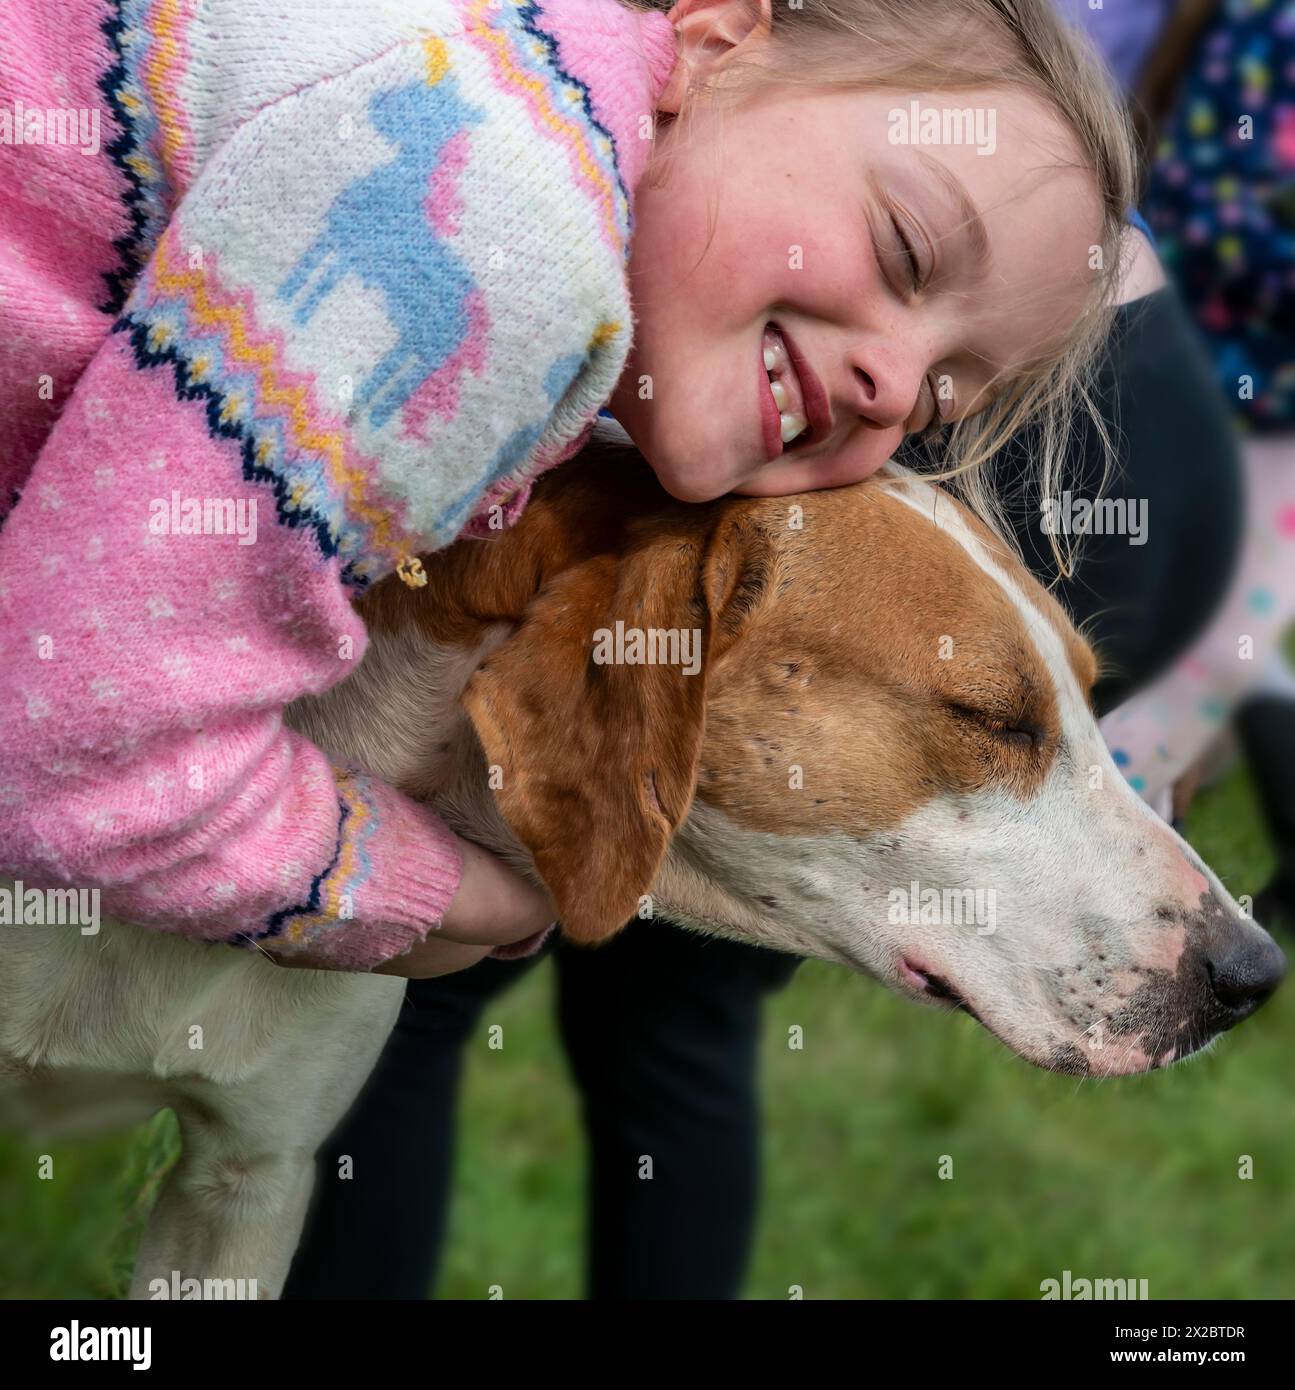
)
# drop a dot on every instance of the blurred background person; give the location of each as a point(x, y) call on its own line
point(1215, 86)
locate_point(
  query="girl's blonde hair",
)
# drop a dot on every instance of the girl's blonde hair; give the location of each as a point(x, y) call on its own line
point(963, 45)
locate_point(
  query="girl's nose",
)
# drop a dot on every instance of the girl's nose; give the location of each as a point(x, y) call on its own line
point(885, 377)
point(886, 388)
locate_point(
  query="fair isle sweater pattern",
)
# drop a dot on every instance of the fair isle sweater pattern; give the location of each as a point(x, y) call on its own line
point(180, 314)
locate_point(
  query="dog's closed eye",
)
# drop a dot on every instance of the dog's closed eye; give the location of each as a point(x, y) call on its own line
point(1006, 728)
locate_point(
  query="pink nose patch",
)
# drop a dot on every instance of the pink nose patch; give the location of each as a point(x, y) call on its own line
point(1197, 883)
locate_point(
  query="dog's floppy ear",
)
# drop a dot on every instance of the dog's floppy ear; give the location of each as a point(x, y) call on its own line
point(598, 754)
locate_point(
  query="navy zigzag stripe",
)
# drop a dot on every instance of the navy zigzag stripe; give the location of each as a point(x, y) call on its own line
point(526, 16)
point(130, 247)
point(188, 388)
point(275, 923)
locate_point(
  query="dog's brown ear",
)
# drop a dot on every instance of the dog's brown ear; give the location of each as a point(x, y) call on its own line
point(597, 758)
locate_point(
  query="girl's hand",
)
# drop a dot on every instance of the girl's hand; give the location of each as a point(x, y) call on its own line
point(494, 906)
point(432, 957)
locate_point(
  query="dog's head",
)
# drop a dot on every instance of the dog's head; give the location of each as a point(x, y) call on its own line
point(850, 725)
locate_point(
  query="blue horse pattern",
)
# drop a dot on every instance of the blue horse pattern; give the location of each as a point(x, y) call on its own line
point(378, 230)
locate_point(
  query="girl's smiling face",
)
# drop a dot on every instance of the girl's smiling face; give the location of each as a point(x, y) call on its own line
point(903, 278)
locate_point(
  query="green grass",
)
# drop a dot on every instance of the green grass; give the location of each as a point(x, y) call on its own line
point(1133, 1178)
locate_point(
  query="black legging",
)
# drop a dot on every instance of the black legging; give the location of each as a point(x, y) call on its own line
point(661, 1025)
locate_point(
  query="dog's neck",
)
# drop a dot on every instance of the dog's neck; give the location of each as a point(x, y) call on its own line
point(398, 717)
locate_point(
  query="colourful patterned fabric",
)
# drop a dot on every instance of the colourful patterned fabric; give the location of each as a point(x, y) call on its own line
point(288, 292)
point(1221, 200)
point(1163, 730)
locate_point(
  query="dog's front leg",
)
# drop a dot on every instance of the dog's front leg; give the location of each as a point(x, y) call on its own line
point(226, 1217)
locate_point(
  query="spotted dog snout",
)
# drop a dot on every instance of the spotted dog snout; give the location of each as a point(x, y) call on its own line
point(1226, 967)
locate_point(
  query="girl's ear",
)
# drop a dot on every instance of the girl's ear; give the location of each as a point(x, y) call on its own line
point(595, 709)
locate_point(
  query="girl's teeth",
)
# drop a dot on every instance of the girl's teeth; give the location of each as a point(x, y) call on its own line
point(784, 387)
point(792, 425)
point(775, 352)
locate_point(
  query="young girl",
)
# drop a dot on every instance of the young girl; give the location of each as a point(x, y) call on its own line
point(339, 278)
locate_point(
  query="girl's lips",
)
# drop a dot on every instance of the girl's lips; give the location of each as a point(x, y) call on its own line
point(817, 408)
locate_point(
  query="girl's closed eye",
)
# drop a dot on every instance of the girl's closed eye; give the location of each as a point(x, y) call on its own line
point(913, 249)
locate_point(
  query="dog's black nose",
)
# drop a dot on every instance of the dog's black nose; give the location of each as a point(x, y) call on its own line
point(1245, 974)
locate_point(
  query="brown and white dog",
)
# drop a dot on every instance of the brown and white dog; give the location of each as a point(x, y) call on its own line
point(882, 706)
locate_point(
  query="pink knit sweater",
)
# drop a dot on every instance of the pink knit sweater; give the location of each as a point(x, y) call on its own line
point(289, 291)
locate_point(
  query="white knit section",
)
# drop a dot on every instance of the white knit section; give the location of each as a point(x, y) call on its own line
point(249, 53)
point(526, 234)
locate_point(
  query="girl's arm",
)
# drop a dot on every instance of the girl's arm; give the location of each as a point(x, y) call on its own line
point(327, 364)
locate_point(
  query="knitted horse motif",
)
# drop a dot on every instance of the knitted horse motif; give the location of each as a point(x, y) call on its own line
point(383, 229)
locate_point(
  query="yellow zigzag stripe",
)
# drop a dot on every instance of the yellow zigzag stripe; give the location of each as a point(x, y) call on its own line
point(166, 51)
point(350, 481)
point(361, 813)
point(438, 59)
point(560, 124)
point(342, 874)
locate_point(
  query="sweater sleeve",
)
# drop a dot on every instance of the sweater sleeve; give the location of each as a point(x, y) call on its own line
point(157, 619)
point(369, 315)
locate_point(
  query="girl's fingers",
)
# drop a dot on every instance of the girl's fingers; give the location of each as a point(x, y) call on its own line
point(494, 905)
point(431, 958)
